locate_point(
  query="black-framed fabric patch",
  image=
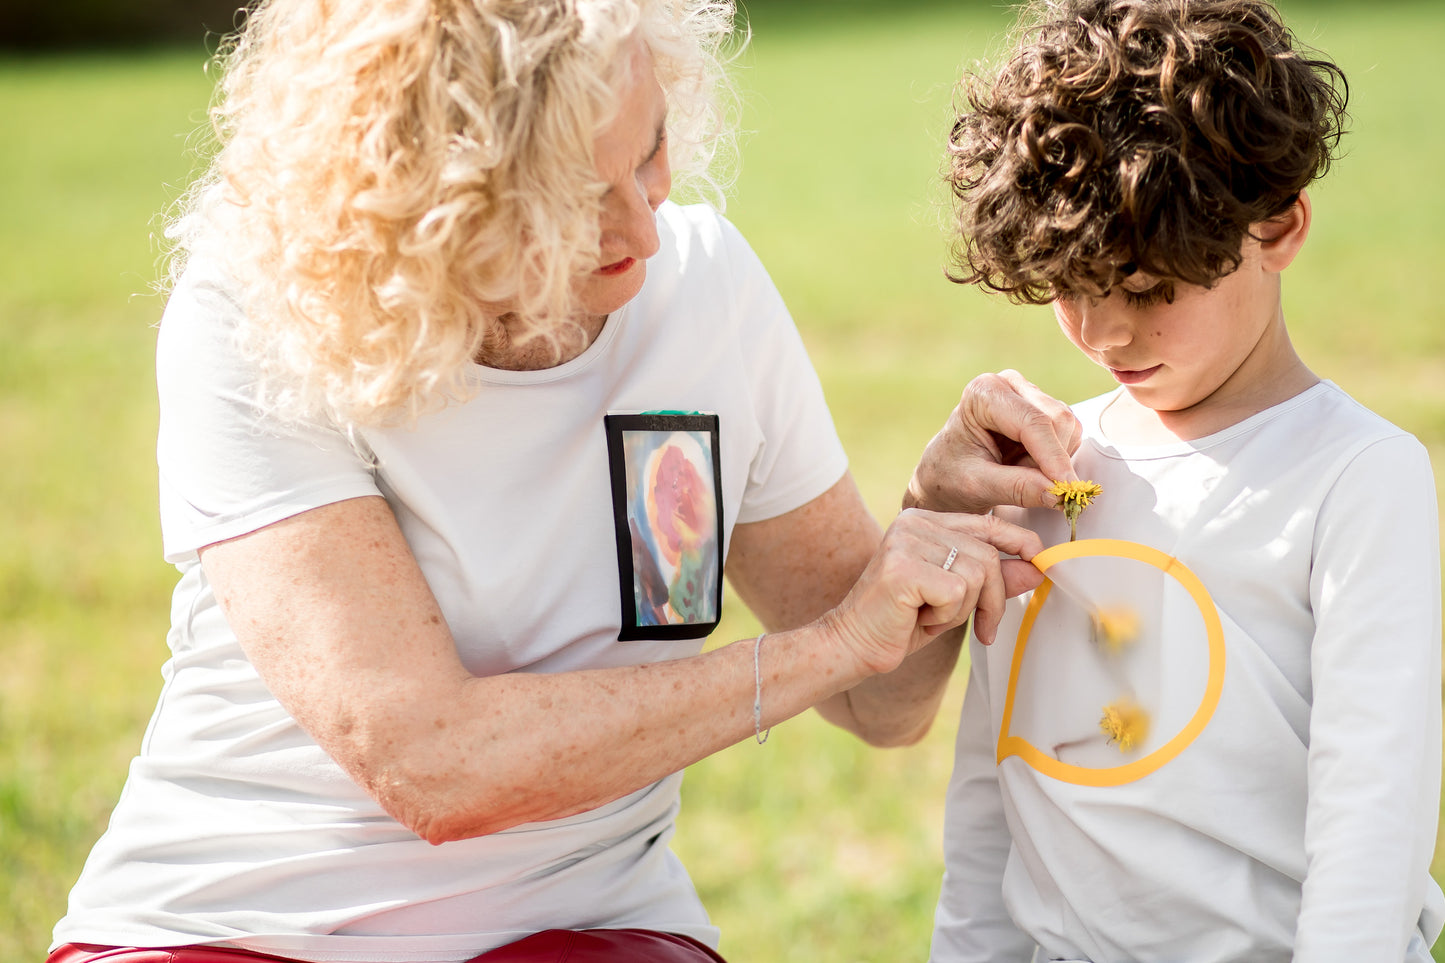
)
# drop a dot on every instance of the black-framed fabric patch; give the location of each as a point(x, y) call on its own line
point(667, 510)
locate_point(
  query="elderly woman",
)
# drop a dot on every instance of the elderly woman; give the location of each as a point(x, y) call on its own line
point(460, 420)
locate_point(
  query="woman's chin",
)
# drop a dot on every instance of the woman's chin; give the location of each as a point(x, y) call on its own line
point(604, 292)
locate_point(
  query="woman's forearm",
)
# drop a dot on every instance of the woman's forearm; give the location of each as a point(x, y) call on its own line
point(898, 708)
point(332, 610)
point(497, 752)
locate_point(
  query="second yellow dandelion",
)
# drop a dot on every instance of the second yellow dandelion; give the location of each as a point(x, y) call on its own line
point(1115, 629)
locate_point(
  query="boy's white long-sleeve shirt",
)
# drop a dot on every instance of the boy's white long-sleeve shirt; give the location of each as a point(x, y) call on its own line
point(1299, 821)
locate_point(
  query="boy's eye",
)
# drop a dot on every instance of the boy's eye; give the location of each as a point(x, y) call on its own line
point(1163, 291)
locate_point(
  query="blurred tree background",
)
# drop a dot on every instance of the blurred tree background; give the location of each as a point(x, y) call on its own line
point(100, 24)
point(94, 24)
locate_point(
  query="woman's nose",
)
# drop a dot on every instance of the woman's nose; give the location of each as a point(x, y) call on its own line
point(656, 178)
point(634, 219)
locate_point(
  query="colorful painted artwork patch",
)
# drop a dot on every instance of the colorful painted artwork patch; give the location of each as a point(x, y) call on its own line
point(667, 509)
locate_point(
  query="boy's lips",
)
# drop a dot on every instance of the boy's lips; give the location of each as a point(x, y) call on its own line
point(1133, 376)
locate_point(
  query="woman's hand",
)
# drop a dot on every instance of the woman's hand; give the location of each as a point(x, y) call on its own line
point(1004, 444)
point(906, 597)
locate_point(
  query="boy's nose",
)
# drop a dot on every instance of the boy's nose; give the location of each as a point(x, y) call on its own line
point(1101, 328)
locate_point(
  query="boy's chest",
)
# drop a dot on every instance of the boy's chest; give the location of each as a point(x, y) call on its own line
point(1179, 541)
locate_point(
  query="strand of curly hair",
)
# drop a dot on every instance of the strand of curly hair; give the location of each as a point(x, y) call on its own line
point(1135, 135)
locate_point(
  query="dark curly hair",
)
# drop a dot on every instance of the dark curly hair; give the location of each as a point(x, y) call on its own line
point(1135, 135)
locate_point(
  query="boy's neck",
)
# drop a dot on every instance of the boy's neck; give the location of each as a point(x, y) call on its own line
point(1274, 380)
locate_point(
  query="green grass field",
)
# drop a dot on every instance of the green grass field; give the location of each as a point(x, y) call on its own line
point(812, 847)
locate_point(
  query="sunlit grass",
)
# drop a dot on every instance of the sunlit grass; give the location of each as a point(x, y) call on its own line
point(92, 145)
point(811, 847)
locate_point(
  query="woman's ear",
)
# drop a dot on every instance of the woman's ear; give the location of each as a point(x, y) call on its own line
point(1281, 237)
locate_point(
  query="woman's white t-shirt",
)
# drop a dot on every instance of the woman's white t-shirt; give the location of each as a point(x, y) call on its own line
point(234, 826)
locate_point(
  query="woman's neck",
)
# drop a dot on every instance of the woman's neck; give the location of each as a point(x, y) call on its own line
point(514, 345)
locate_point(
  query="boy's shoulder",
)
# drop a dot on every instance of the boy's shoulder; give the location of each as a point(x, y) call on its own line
point(1312, 444)
point(1323, 416)
point(1335, 419)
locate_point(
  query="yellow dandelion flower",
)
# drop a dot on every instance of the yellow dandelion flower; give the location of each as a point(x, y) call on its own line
point(1115, 628)
point(1074, 497)
point(1126, 723)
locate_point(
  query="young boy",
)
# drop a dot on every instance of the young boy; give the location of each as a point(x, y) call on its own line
point(1241, 759)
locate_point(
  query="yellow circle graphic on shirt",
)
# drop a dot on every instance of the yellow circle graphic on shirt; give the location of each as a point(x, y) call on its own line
point(1011, 745)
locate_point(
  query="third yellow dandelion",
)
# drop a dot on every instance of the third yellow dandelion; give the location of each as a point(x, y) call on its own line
point(1126, 723)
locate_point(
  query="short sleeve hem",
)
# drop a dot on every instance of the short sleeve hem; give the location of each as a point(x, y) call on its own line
point(830, 471)
point(184, 548)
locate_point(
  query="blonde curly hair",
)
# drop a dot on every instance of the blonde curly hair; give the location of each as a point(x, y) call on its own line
point(388, 173)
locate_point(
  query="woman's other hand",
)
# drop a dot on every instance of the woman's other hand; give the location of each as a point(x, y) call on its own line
point(1004, 444)
point(906, 596)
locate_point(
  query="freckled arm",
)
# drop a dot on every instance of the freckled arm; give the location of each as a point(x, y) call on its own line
point(332, 609)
